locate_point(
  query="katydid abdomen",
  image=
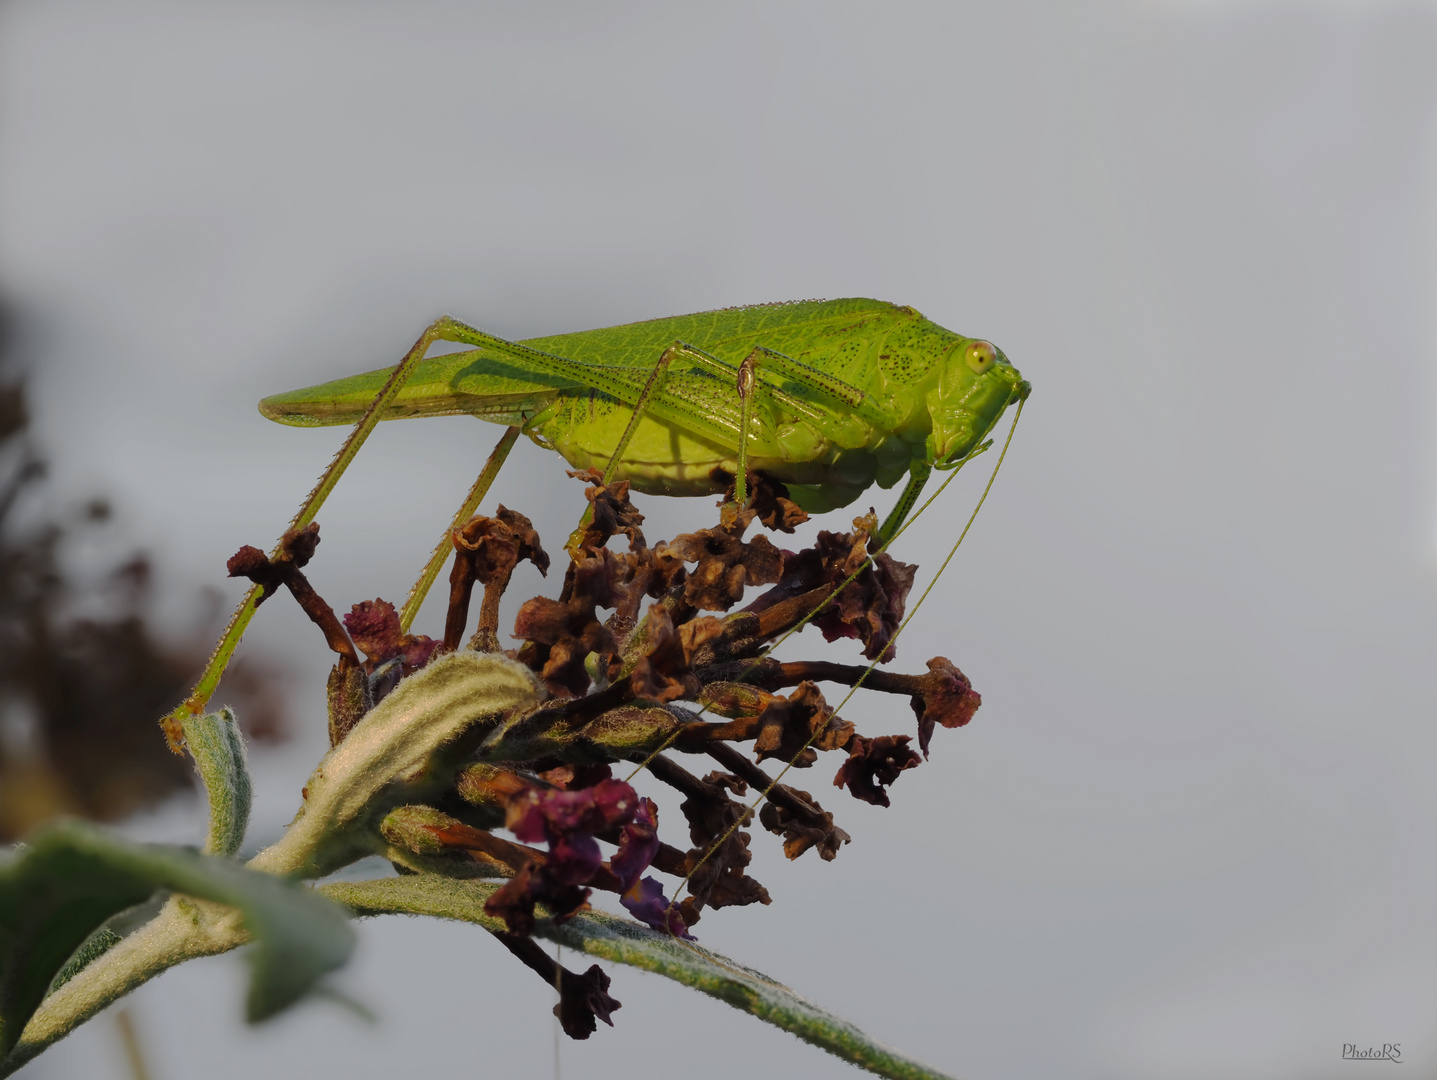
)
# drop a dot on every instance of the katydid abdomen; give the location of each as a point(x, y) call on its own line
point(848, 393)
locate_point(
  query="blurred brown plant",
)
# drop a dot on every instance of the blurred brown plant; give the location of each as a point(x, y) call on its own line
point(83, 668)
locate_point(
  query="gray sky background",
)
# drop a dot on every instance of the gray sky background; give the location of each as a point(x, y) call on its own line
point(1190, 833)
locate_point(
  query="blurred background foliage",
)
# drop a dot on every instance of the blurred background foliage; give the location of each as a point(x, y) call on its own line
point(85, 672)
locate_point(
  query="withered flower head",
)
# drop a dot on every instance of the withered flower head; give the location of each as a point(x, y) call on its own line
point(768, 502)
point(515, 901)
point(638, 844)
point(644, 898)
point(496, 545)
point(872, 762)
point(796, 727)
point(562, 633)
point(662, 673)
point(613, 514)
point(870, 607)
point(348, 691)
point(645, 901)
point(298, 545)
point(374, 627)
point(802, 826)
point(582, 999)
point(568, 821)
point(296, 548)
point(486, 550)
point(554, 814)
point(637, 673)
point(946, 697)
point(717, 862)
point(726, 565)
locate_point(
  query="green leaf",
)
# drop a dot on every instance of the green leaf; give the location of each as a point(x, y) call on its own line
point(407, 749)
point(71, 878)
point(611, 938)
point(214, 741)
point(90, 950)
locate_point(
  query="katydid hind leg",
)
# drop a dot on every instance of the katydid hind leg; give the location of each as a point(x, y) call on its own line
point(836, 390)
point(747, 385)
point(204, 688)
point(704, 412)
point(711, 420)
point(652, 394)
point(840, 395)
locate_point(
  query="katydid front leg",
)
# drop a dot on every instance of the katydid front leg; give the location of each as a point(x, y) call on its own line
point(918, 474)
point(705, 424)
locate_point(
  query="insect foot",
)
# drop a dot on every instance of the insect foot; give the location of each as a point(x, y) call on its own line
point(649, 654)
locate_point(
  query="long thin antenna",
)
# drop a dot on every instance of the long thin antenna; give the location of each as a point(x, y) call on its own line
point(559, 989)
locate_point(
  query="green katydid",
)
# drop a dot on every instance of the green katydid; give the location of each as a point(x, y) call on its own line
point(847, 393)
point(827, 397)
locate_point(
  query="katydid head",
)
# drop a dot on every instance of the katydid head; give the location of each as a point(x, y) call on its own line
point(975, 384)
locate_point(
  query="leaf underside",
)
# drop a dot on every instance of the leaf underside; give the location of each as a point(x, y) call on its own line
point(611, 938)
point(70, 878)
point(217, 747)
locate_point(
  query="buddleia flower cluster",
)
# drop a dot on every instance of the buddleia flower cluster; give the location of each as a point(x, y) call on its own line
point(652, 656)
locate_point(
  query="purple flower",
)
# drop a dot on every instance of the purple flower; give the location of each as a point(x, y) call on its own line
point(638, 844)
point(645, 901)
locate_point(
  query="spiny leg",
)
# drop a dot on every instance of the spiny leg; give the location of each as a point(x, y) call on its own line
point(820, 382)
point(655, 380)
point(747, 386)
point(711, 418)
point(747, 377)
point(209, 679)
point(463, 514)
point(746, 383)
point(706, 420)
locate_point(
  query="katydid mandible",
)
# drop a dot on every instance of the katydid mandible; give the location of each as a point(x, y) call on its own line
point(827, 397)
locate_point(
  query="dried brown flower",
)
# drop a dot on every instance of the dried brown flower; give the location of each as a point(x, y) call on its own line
point(726, 566)
point(945, 696)
point(486, 550)
point(794, 728)
point(632, 665)
point(874, 762)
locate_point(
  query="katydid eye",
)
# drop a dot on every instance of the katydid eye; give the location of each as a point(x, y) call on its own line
point(981, 356)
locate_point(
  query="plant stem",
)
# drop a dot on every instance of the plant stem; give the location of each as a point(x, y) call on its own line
point(125, 1021)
